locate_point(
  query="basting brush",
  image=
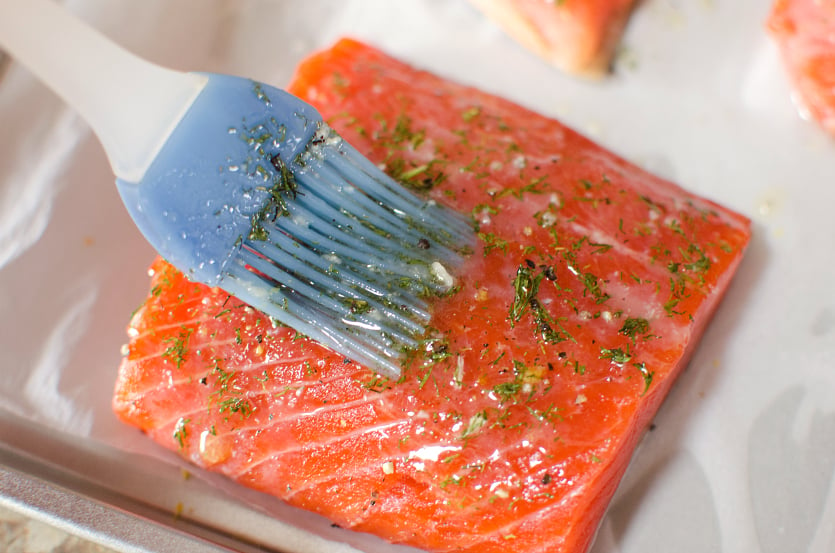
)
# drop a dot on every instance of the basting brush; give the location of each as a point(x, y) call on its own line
point(243, 186)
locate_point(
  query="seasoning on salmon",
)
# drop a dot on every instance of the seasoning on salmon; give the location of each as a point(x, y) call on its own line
point(804, 30)
point(511, 426)
point(577, 36)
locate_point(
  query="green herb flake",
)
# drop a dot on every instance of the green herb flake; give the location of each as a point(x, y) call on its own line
point(492, 242)
point(507, 390)
point(550, 330)
point(339, 80)
point(225, 396)
point(676, 227)
point(592, 287)
point(525, 287)
point(179, 346)
point(421, 177)
point(646, 373)
point(670, 306)
point(181, 432)
point(425, 378)
point(499, 358)
point(260, 94)
point(475, 424)
point(284, 186)
point(479, 212)
point(634, 327)
point(235, 404)
point(451, 480)
point(377, 384)
point(653, 206)
point(471, 113)
point(536, 185)
point(600, 248)
point(358, 306)
point(617, 355)
point(701, 263)
point(403, 134)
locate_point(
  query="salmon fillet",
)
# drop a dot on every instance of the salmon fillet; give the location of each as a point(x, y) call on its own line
point(587, 292)
point(804, 30)
point(577, 36)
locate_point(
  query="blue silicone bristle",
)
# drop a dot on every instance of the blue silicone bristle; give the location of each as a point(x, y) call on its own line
point(254, 193)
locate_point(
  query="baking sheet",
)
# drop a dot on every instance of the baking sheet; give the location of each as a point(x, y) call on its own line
point(742, 455)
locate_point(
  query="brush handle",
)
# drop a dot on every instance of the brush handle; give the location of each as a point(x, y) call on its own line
point(132, 105)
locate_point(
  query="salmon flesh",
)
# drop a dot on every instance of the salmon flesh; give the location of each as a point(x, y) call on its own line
point(578, 36)
point(511, 426)
point(804, 30)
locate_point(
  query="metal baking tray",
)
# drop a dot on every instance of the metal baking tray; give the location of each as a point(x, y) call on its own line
point(742, 457)
point(66, 496)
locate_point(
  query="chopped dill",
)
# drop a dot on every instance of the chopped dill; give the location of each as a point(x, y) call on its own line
point(617, 355)
point(634, 327)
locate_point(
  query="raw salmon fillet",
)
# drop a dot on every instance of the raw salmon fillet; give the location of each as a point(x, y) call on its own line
point(577, 36)
point(509, 430)
point(804, 30)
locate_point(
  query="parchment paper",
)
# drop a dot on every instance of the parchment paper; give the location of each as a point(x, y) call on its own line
point(742, 455)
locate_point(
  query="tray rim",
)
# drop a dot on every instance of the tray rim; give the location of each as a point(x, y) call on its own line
point(64, 498)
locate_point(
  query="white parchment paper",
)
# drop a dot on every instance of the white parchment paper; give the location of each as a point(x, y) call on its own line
point(742, 456)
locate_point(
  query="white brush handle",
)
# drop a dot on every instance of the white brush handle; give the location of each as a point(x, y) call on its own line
point(131, 104)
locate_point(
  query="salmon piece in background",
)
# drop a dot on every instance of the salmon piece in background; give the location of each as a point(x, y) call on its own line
point(804, 30)
point(589, 287)
point(577, 36)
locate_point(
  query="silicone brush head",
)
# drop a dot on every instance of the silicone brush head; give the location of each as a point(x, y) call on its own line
point(254, 193)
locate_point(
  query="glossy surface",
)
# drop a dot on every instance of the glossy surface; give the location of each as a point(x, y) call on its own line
point(588, 291)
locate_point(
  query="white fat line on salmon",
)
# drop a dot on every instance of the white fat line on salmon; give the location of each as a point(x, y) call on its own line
point(250, 368)
point(641, 257)
point(254, 421)
point(134, 334)
point(542, 514)
point(324, 444)
point(371, 469)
